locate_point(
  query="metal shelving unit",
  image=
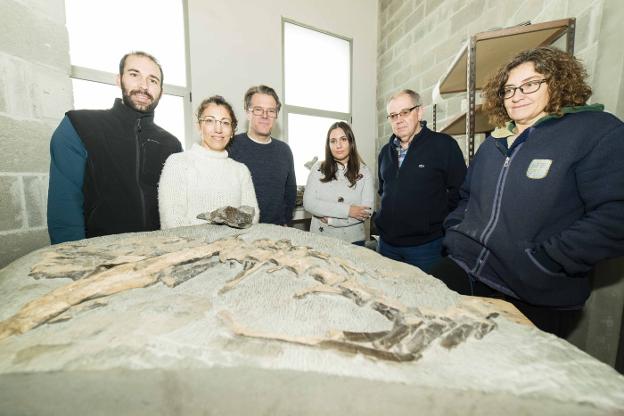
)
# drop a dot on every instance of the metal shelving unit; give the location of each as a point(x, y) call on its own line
point(483, 54)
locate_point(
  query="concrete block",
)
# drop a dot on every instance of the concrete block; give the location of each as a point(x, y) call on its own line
point(434, 36)
point(396, 35)
point(398, 17)
point(52, 9)
point(588, 57)
point(3, 91)
point(32, 36)
point(16, 245)
point(18, 77)
point(400, 79)
point(466, 15)
point(431, 5)
point(33, 90)
point(442, 15)
point(52, 93)
point(12, 216)
point(385, 59)
point(415, 18)
point(583, 31)
point(485, 22)
point(446, 50)
point(403, 45)
point(420, 31)
point(553, 9)
point(36, 195)
point(433, 75)
point(577, 7)
point(396, 5)
point(24, 145)
point(382, 45)
point(383, 5)
point(527, 10)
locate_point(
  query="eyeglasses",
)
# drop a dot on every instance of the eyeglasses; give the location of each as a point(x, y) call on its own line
point(259, 111)
point(211, 121)
point(403, 113)
point(528, 87)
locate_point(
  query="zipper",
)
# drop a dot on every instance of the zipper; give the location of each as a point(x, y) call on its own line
point(496, 209)
point(138, 172)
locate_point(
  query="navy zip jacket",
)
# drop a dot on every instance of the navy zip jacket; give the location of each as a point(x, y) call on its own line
point(534, 219)
point(416, 197)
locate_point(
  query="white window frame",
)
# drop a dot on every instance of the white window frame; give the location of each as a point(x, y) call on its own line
point(103, 77)
point(307, 111)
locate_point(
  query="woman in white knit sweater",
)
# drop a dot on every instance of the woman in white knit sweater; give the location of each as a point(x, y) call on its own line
point(340, 192)
point(204, 178)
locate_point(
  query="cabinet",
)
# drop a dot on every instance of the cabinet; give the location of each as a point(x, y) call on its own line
point(483, 54)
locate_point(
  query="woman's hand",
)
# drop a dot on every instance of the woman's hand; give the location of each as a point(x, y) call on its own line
point(359, 212)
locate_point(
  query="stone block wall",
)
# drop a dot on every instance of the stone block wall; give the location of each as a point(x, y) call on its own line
point(35, 91)
point(417, 42)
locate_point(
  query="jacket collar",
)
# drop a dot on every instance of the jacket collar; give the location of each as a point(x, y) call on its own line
point(423, 130)
point(510, 128)
point(128, 113)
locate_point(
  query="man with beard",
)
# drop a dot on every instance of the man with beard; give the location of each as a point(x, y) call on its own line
point(105, 164)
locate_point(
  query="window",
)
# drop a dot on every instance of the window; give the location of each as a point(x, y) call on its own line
point(317, 90)
point(100, 33)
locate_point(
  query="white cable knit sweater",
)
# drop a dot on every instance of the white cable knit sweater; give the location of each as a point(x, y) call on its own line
point(200, 180)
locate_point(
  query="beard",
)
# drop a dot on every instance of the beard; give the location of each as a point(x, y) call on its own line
point(127, 100)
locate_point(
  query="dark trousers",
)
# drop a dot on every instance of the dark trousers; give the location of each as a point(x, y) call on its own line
point(423, 256)
point(560, 322)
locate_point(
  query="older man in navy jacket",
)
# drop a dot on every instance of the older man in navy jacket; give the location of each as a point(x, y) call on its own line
point(420, 173)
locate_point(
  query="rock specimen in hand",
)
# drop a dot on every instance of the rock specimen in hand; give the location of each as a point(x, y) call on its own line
point(241, 217)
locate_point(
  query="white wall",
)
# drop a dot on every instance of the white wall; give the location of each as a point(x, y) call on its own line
point(235, 45)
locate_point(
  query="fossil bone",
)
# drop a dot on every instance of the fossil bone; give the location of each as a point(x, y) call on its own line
point(177, 260)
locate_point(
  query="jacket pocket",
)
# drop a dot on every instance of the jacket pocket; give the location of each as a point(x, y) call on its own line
point(541, 267)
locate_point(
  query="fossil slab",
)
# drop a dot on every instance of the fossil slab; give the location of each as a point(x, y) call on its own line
point(272, 320)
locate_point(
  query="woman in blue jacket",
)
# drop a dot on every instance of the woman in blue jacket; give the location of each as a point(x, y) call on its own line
point(543, 200)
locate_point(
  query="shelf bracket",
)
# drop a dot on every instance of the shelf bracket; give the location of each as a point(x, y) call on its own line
point(471, 69)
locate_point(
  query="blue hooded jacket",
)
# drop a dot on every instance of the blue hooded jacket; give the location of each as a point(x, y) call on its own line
point(534, 219)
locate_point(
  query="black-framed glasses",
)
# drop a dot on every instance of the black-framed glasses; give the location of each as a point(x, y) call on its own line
point(403, 113)
point(259, 111)
point(528, 87)
point(211, 121)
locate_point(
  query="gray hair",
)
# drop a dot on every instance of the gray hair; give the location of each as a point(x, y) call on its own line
point(412, 94)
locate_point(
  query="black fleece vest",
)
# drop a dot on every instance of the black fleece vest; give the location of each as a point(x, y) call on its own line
point(126, 153)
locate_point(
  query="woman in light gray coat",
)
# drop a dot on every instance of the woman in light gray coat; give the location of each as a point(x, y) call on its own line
point(340, 193)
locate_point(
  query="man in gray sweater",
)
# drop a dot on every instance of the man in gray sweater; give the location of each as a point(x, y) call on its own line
point(269, 160)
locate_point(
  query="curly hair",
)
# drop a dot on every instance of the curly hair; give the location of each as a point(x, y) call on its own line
point(329, 168)
point(566, 79)
point(220, 101)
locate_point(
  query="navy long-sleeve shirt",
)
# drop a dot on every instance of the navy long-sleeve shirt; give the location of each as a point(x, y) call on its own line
point(273, 175)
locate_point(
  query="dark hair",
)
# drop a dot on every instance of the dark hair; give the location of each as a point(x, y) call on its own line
point(261, 89)
point(329, 168)
point(122, 63)
point(218, 100)
point(566, 80)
